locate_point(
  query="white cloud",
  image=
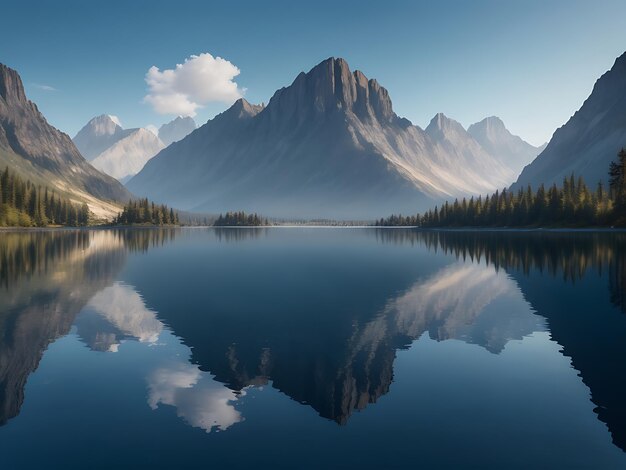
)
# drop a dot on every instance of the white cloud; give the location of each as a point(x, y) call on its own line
point(201, 79)
point(44, 87)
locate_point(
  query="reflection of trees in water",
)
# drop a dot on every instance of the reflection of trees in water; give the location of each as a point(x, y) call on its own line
point(570, 297)
point(142, 239)
point(237, 234)
point(617, 277)
point(25, 254)
point(28, 253)
point(568, 255)
point(46, 278)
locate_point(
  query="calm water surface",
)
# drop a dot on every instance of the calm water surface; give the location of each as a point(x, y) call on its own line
point(312, 348)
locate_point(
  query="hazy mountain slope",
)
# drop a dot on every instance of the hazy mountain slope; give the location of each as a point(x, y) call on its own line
point(329, 146)
point(38, 151)
point(509, 149)
point(176, 130)
point(591, 138)
point(461, 149)
point(126, 157)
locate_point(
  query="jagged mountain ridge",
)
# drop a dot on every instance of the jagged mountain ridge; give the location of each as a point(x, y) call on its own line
point(327, 146)
point(590, 139)
point(36, 150)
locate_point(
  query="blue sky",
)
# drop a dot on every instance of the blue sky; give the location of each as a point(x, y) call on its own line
point(532, 63)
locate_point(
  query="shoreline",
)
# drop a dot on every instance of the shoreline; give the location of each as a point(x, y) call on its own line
point(289, 226)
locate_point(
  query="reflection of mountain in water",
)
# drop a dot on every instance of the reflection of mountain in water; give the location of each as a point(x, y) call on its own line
point(42, 305)
point(563, 277)
point(46, 278)
point(464, 301)
point(335, 354)
point(338, 362)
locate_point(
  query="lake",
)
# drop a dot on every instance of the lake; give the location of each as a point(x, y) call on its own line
point(312, 348)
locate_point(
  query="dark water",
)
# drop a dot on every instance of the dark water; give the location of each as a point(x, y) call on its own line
point(312, 348)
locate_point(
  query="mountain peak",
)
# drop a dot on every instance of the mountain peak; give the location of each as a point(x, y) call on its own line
point(331, 87)
point(97, 135)
point(491, 124)
point(497, 140)
point(440, 125)
point(176, 130)
point(242, 109)
point(11, 86)
point(105, 124)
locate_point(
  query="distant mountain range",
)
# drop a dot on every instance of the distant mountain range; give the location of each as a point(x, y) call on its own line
point(327, 146)
point(122, 153)
point(39, 152)
point(590, 140)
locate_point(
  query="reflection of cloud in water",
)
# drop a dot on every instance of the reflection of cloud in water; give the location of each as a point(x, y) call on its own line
point(118, 312)
point(199, 400)
point(125, 310)
point(455, 303)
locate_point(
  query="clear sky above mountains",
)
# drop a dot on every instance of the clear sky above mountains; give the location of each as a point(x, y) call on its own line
point(532, 63)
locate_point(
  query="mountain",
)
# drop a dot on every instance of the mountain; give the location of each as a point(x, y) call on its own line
point(327, 146)
point(452, 140)
point(591, 138)
point(176, 130)
point(509, 149)
point(36, 150)
point(126, 157)
point(98, 135)
point(118, 152)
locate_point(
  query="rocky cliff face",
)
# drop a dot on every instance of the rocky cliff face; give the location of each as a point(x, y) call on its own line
point(32, 147)
point(327, 146)
point(590, 140)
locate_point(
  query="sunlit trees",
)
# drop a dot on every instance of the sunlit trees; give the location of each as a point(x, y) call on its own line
point(617, 185)
point(572, 205)
point(24, 204)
